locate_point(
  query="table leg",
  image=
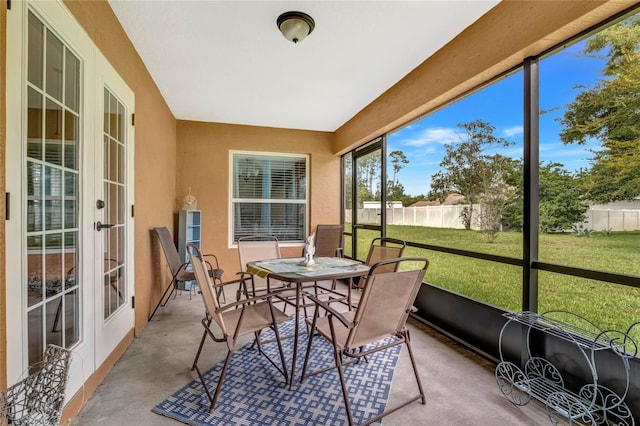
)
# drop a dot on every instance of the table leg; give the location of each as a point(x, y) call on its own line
point(295, 336)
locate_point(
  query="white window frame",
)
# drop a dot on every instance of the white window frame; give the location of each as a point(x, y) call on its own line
point(233, 200)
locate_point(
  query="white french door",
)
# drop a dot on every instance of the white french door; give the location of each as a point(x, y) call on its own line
point(112, 220)
point(62, 285)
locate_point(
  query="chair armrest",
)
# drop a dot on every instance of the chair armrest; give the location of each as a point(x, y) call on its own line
point(244, 276)
point(224, 284)
point(215, 257)
point(242, 286)
point(183, 267)
point(248, 301)
point(215, 272)
point(347, 323)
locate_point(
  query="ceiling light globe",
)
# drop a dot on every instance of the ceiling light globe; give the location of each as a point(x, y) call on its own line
point(295, 26)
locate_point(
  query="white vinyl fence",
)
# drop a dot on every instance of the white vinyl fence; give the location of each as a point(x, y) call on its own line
point(614, 220)
point(597, 219)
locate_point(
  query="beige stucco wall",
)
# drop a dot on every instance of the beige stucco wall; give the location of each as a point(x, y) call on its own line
point(203, 166)
point(500, 40)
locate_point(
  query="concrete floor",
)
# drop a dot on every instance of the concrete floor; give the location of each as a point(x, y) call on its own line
point(460, 386)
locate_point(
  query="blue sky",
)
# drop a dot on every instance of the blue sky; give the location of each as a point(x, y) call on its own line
point(501, 105)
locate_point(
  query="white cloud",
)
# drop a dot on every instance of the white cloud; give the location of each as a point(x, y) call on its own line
point(434, 135)
point(512, 131)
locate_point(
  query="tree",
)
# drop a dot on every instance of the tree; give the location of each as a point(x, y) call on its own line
point(561, 200)
point(610, 111)
point(468, 170)
point(395, 190)
point(398, 161)
point(497, 193)
point(561, 203)
point(368, 169)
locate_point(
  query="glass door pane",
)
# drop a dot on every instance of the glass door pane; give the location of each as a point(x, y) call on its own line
point(114, 196)
point(367, 205)
point(52, 192)
point(347, 202)
point(368, 194)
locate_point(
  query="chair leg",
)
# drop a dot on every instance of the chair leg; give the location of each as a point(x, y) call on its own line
point(306, 357)
point(172, 287)
point(407, 341)
point(284, 364)
point(309, 342)
point(221, 295)
point(220, 379)
point(338, 359)
point(204, 336)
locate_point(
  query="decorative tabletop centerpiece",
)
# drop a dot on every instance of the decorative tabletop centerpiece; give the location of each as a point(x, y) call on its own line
point(309, 250)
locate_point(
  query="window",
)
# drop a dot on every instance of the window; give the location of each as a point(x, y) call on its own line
point(269, 195)
point(454, 176)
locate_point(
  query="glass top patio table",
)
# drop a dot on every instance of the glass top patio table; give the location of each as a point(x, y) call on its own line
point(293, 270)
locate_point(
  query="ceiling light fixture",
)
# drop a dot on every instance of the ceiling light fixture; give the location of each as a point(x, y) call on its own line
point(295, 26)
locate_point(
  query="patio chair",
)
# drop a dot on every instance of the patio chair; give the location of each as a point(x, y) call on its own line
point(328, 241)
point(378, 324)
point(381, 248)
point(38, 399)
point(253, 248)
point(180, 271)
point(385, 248)
point(234, 320)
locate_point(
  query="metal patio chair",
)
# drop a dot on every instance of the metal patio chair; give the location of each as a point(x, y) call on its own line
point(328, 243)
point(252, 248)
point(328, 240)
point(180, 271)
point(385, 248)
point(378, 323)
point(382, 248)
point(234, 320)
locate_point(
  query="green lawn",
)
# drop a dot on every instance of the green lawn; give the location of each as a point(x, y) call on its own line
point(609, 306)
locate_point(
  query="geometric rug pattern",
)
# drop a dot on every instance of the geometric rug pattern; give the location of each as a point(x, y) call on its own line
point(254, 392)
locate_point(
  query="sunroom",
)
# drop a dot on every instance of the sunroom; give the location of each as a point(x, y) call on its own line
point(112, 118)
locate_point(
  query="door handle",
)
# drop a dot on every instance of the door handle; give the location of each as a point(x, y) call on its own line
point(100, 226)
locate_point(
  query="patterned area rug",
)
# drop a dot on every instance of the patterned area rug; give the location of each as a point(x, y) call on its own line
point(254, 392)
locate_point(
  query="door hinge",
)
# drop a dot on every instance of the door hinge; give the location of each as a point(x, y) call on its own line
point(132, 210)
point(8, 4)
point(133, 119)
point(7, 205)
point(133, 302)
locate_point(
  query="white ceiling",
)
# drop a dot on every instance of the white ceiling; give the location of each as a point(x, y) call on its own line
point(226, 61)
